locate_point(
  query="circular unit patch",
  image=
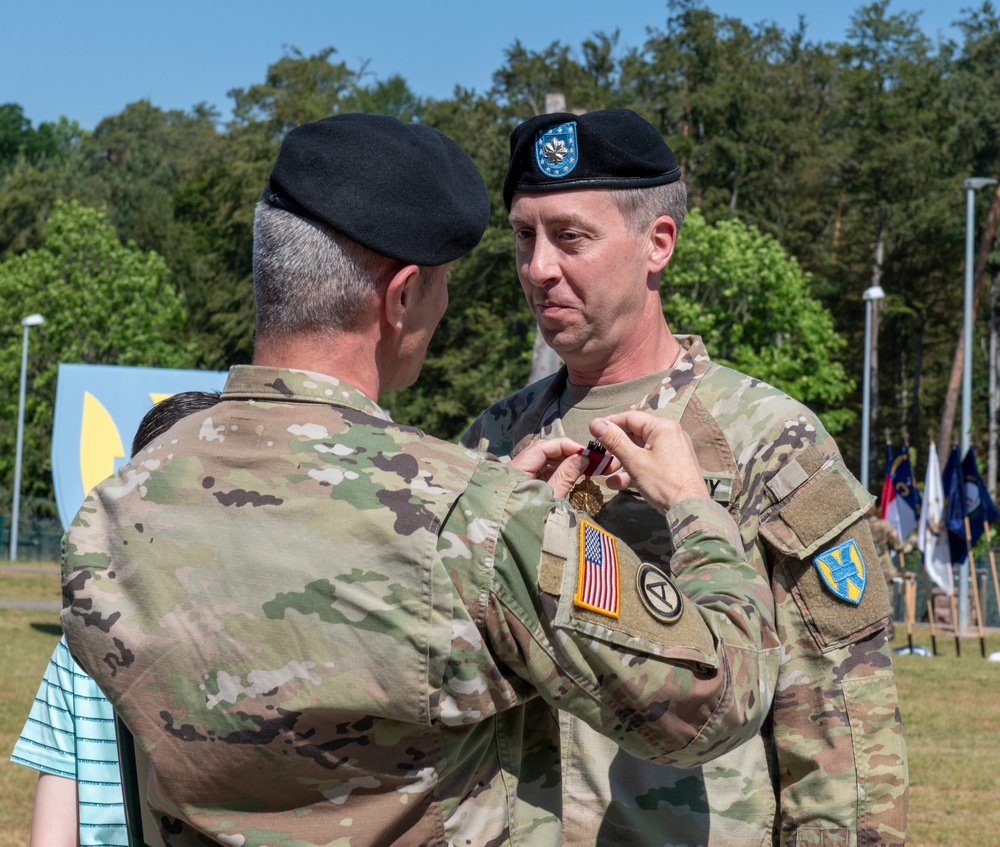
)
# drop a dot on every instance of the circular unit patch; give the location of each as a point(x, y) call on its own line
point(658, 594)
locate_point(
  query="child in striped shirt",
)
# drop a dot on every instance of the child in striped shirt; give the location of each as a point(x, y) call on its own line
point(69, 737)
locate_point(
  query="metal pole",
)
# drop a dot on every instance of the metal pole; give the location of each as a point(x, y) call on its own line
point(971, 186)
point(967, 324)
point(27, 323)
point(963, 568)
point(866, 394)
point(871, 294)
point(16, 508)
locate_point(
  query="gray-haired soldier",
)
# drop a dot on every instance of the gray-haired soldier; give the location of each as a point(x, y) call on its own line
point(327, 628)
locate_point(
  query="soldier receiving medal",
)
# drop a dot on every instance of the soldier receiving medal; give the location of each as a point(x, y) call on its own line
point(596, 205)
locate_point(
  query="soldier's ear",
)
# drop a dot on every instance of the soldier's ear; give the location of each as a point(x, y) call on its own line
point(662, 239)
point(400, 294)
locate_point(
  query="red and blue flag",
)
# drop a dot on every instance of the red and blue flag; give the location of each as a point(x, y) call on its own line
point(900, 501)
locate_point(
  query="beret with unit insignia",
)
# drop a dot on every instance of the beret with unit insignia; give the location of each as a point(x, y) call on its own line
point(404, 191)
point(612, 148)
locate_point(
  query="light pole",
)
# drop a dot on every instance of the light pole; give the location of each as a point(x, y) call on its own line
point(972, 185)
point(872, 293)
point(27, 323)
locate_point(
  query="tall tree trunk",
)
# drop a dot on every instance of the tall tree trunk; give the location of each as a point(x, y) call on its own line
point(991, 463)
point(955, 381)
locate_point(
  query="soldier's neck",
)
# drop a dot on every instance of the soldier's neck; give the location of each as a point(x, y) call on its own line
point(649, 354)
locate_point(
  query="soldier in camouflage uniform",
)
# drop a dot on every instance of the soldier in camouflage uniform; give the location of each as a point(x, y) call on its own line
point(886, 541)
point(327, 628)
point(595, 203)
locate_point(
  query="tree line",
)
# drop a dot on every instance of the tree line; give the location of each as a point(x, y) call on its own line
point(813, 170)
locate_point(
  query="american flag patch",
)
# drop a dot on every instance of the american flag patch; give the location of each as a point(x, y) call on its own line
point(597, 584)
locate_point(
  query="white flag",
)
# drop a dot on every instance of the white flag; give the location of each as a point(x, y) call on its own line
point(932, 534)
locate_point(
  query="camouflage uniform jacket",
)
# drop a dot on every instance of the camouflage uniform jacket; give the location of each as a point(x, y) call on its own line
point(325, 628)
point(829, 767)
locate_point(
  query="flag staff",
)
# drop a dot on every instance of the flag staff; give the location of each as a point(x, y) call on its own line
point(975, 588)
point(909, 599)
point(954, 618)
point(930, 612)
point(993, 565)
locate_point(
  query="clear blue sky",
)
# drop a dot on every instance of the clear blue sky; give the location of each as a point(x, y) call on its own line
point(88, 60)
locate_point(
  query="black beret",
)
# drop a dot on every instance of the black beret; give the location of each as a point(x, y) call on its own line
point(613, 148)
point(404, 191)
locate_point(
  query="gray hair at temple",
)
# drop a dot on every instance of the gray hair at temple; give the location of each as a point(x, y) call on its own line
point(641, 206)
point(309, 278)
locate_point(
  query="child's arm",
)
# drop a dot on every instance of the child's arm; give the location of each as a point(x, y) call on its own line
point(54, 822)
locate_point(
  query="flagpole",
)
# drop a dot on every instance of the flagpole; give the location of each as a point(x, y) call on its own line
point(954, 618)
point(993, 565)
point(975, 587)
point(930, 612)
point(909, 603)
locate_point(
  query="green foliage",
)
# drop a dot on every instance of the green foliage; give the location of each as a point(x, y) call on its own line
point(18, 141)
point(748, 299)
point(103, 303)
point(296, 89)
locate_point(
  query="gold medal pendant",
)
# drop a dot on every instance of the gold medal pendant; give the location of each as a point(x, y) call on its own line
point(587, 497)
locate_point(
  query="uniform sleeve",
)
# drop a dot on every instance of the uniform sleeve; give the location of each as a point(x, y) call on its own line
point(48, 740)
point(838, 732)
point(619, 643)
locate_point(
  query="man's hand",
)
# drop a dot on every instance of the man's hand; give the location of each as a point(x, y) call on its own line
point(557, 461)
point(657, 455)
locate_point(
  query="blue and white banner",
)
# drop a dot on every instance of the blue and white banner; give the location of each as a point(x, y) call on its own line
point(98, 409)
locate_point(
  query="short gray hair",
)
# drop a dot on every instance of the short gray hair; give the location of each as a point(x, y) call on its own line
point(641, 206)
point(309, 278)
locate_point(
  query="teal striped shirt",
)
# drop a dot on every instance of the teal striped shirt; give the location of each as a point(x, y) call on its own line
point(70, 732)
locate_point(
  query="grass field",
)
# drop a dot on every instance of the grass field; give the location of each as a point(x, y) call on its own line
point(951, 712)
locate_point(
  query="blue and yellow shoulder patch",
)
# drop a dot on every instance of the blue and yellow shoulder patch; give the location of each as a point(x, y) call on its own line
point(843, 571)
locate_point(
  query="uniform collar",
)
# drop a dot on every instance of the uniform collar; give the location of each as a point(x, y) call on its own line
point(541, 418)
point(285, 385)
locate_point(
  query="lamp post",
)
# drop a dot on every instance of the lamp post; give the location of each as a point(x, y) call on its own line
point(972, 185)
point(872, 293)
point(27, 323)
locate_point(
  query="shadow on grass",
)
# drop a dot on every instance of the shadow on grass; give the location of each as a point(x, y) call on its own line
point(47, 628)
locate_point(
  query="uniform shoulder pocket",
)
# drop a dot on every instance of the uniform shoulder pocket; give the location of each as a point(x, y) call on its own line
point(606, 592)
point(822, 546)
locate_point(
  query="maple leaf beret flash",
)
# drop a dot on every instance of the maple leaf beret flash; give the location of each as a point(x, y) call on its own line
point(404, 191)
point(612, 148)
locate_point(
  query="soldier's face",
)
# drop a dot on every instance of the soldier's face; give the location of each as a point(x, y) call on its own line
point(585, 276)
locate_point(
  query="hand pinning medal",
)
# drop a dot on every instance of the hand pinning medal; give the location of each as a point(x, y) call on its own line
point(586, 495)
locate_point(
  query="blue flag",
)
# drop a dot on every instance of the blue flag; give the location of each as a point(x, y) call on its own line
point(979, 506)
point(954, 506)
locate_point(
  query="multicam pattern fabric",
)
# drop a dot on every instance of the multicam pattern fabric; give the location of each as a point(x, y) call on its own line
point(325, 628)
point(830, 765)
